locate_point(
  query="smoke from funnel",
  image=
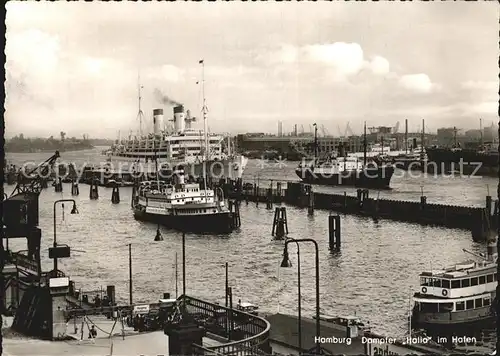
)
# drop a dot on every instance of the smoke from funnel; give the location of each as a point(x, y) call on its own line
point(165, 99)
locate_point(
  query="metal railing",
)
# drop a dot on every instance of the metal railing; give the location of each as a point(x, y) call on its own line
point(21, 260)
point(248, 333)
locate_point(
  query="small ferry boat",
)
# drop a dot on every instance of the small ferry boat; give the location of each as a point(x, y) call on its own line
point(183, 206)
point(457, 297)
point(247, 307)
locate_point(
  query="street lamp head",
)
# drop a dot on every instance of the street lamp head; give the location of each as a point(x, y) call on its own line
point(74, 210)
point(286, 260)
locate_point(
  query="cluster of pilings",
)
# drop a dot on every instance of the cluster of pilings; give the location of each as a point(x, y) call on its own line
point(94, 191)
point(115, 194)
point(75, 190)
point(280, 228)
point(479, 220)
point(234, 208)
point(58, 187)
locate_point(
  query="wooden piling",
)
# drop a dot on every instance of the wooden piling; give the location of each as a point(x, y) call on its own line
point(234, 207)
point(75, 190)
point(310, 205)
point(58, 186)
point(334, 232)
point(115, 194)
point(94, 190)
point(269, 198)
point(280, 223)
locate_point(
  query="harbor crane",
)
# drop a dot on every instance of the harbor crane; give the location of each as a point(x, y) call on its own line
point(395, 129)
point(347, 131)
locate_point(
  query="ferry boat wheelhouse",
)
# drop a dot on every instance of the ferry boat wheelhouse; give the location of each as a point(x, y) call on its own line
point(456, 297)
point(182, 206)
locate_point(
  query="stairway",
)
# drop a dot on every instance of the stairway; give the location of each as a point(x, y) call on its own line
point(33, 317)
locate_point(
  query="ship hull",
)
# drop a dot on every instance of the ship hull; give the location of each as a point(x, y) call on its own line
point(467, 162)
point(369, 177)
point(453, 323)
point(215, 169)
point(217, 223)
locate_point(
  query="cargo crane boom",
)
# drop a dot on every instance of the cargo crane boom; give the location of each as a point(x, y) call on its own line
point(29, 184)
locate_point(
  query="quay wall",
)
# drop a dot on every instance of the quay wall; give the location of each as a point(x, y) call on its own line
point(476, 219)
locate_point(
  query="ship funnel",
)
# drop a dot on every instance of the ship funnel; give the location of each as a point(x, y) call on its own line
point(179, 174)
point(491, 248)
point(157, 120)
point(179, 119)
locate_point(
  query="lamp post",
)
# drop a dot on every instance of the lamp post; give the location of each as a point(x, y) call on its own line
point(130, 272)
point(227, 283)
point(286, 263)
point(74, 210)
point(498, 263)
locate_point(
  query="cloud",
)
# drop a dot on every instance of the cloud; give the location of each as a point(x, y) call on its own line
point(346, 58)
point(487, 107)
point(482, 85)
point(379, 65)
point(420, 83)
point(172, 73)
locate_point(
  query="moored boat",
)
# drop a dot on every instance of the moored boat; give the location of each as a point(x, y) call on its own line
point(457, 298)
point(347, 170)
point(188, 207)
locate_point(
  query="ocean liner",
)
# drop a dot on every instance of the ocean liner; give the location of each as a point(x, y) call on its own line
point(202, 154)
point(458, 297)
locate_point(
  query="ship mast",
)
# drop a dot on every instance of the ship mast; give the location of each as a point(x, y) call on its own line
point(140, 114)
point(364, 146)
point(204, 109)
point(406, 136)
point(315, 142)
point(481, 131)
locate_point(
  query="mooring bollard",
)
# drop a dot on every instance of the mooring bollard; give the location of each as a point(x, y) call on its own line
point(74, 188)
point(115, 194)
point(280, 223)
point(269, 198)
point(334, 232)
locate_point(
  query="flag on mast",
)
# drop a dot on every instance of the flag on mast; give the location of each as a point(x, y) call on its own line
point(200, 61)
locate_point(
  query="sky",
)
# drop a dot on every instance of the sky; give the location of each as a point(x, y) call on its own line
point(75, 66)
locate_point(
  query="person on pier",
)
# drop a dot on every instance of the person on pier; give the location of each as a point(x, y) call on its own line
point(92, 332)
